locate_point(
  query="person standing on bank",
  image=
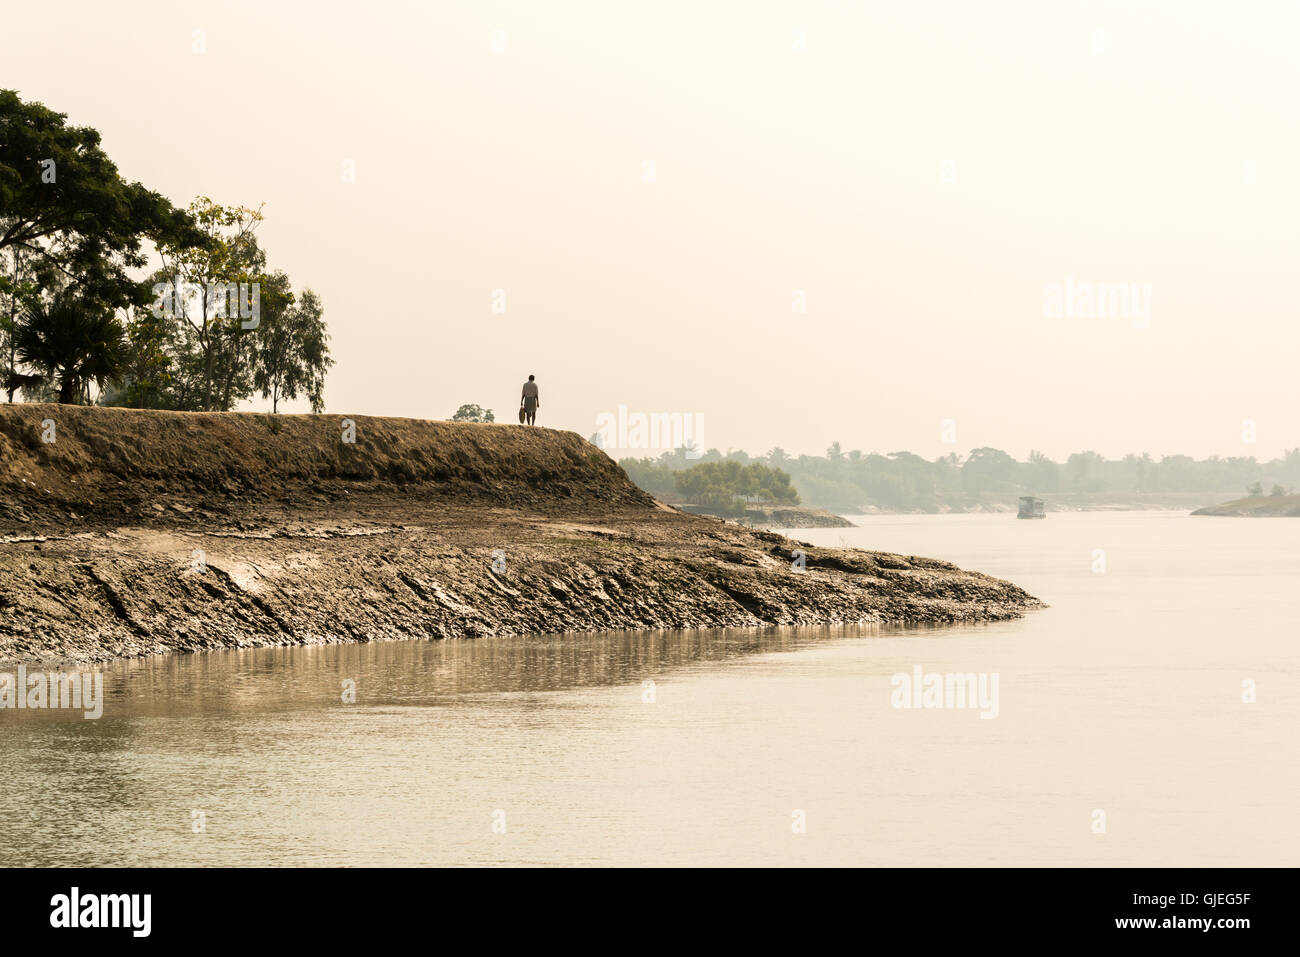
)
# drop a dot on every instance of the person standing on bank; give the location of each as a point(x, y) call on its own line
point(528, 401)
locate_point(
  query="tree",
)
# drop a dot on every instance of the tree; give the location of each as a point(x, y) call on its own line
point(473, 413)
point(72, 343)
point(223, 327)
point(149, 374)
point(1255, 491)
point(293, 351)
point(1289, 466)
point(239, 341)
point(1041, 473)
point(16, 284)
point(1277, 490)
point(196, 277)
point(1083, 469)
point(71, 237)
point(64, 205)
point(724, 487)
point(68, 222)
point(989, 469)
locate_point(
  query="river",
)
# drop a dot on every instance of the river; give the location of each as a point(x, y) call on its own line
point(1120, 733)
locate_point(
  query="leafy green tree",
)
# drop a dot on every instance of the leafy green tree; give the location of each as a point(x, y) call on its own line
point(204, 354)
point(293, 351)
point(72, 234)
point(1255, 490)
point(235, 369)
point(725, 487)
point(72, 343)
point(473, 413)
point(196, 276)
point(17, 285)
point(148, 377)
point(63, 203)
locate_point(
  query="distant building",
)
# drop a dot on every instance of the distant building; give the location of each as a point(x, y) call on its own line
point(1031, 507)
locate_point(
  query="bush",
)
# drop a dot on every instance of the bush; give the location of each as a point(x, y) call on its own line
point(473, 413)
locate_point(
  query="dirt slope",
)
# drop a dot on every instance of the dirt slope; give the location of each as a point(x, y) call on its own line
point(109, 463)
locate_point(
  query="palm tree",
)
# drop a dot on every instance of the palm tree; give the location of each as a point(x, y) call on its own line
point(72, 344)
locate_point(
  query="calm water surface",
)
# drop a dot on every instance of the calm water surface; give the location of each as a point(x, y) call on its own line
point(1125, 697)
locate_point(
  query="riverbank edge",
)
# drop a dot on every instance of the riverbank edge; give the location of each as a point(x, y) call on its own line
point(1255, 506)
point(147, 533)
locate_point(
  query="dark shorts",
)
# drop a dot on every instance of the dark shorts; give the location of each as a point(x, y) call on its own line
point(530, 405)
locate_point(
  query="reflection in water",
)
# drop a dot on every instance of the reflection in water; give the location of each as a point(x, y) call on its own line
point(102, 792)
point(427, 673)
point(431, 672)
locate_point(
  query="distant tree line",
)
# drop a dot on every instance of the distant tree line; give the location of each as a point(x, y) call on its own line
point(209, 328)
point(850, 481)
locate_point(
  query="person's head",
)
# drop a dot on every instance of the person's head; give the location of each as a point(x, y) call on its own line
point(530, 378)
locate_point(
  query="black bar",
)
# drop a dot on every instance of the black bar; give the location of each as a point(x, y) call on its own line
point(266, 907)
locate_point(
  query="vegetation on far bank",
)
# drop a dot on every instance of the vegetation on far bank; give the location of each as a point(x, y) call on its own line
point(855, 481)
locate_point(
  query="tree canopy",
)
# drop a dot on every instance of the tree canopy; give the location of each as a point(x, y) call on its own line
point(64, 205)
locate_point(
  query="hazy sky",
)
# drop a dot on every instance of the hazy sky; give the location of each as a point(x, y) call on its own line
point(918, 170)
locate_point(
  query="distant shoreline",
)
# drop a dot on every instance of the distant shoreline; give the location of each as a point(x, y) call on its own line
point(1051, 507)
point(813, 516)
point(780, 516)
